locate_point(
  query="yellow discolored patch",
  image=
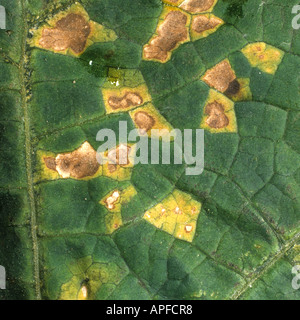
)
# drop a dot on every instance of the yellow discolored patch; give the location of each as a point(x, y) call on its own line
point(70, 32)
point(263, 56)
point(124, 90)
point(221, 76)
point(147, 118)
point(198, 6)
point(173, 2)
point(119, 162)
point(44, 172)
point(80, 164)
point(218, 115)
point(244, 93)
point(203, 25)
point(176, 215)
point(113, 203)
point(88, 277)
point(172, 30)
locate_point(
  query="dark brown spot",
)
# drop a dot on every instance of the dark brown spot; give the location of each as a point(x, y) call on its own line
point(50, 163)
point(78, 164)
point(128, 100)
point(70, 32)
point(196, 6)
point(217, 118)
point(233, 88)
point(220, 76)
point(144, 121)
point(172, 31)
point(203, 23)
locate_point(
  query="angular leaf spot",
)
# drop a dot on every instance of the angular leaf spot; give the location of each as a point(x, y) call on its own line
point(263, 56)
point(176, 215)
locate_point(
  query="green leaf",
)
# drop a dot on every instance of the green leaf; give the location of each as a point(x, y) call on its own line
point(149, 231)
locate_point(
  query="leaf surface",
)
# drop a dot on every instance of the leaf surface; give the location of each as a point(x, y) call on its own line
point(69, 69)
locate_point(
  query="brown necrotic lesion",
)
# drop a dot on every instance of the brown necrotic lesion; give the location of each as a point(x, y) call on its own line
point(170, 33)
point(221, 77)
point(217, 118)
point(128, 100)
point(110, 201)
point(144, 121)
point(78, 164)
point(196, 6)
point(71, 32)
point(202, 23)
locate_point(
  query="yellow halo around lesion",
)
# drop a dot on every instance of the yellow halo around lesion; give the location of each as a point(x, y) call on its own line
point(263, 56)
point(178, 24)
point(174, 3)
point(113, 202)
point(45, 172)
point(177, 215)
point(147, 118)
point(87, 278)
point(124, 90)
point(116, 171)
point(218, 98)
point(140, 94)
point(98, 33)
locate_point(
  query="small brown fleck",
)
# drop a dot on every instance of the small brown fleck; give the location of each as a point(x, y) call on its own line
point(112, 168)
point(196, 6)
point(233, 88)
point(119, 156)
point(128, 100)
point(217, 118)
point(177, 210)
point(78, 164)
point(50, 163)
point(71, 32)
point(144, 121)
point(172, 31)
point(203, 23)
point(220, 76)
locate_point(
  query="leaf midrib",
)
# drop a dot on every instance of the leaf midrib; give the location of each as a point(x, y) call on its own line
point(28, 155)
